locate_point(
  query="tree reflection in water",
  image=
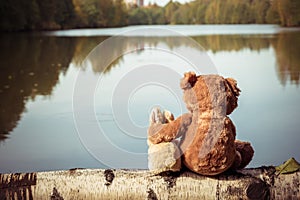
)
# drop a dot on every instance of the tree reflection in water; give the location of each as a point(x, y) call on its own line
point(287, 48)
point(31, 65)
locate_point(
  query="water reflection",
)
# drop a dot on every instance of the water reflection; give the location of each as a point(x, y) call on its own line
point(288, 60)
point(83, 46)
point(214, 43)
point(31, 65)
point(287, 48)
point(217, 43)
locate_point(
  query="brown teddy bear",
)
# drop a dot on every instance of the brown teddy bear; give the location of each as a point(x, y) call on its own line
point(207, 135)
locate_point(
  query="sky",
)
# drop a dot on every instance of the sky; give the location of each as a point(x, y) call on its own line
point(163, 2)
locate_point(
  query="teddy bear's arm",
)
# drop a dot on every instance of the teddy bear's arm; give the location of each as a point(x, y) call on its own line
point(159, 132)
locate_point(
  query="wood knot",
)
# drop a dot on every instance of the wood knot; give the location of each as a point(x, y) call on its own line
point(55, 195)
point(151, 195)
point(258, 190)
point(170, 178)
point(109, 176)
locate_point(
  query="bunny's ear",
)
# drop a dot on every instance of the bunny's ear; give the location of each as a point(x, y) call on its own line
point(188, 80)
point(233, 86)
point(168, 116)
point(156, 116)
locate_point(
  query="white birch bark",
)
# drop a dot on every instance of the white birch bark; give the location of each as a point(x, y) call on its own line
point(259, 183)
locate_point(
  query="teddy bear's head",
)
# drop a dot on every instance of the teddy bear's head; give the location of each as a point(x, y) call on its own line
point(209, 94)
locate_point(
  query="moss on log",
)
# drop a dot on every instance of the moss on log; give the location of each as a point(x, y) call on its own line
point(258, 183)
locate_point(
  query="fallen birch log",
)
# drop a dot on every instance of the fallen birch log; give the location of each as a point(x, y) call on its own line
point(258, 183)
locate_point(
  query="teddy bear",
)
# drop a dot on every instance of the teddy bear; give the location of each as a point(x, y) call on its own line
point(206, 134)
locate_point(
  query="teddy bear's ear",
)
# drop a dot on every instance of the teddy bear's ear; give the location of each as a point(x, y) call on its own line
point(188, 80)
point(233, 86)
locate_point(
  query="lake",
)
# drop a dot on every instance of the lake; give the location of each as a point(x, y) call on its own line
point(65, 105)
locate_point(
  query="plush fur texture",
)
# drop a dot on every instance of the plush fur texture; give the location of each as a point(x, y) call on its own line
point(208, 144)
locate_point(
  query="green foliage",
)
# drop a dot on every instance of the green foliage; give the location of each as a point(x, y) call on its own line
point(61, 14)
point(18, 14)
point(170, 10)
point(259, 9)
point(200, 13)
point(120, 14)
point(100, 13)
point(148, 15)
point(183, 15)
point(284, 12)
point(272, 16)
point(156, 15)
point(289, 12)
point(289, 166)
point(138, 16)
point(64, 14)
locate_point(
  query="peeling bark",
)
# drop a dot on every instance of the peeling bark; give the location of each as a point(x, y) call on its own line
point(258, 183)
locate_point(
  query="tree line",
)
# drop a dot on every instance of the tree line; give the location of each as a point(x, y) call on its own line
point(61, 14)
point(67, 14)
point(283, 12)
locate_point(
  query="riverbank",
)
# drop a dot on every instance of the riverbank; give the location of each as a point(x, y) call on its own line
point(255, 183)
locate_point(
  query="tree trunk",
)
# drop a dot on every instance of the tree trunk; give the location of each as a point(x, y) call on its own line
point(258, 183)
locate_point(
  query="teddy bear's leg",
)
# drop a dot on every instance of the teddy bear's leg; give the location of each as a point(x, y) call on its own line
point(245, 153)
point(237, 161)
point(162, 129)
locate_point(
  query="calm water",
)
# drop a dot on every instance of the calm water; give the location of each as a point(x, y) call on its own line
point(60, 110)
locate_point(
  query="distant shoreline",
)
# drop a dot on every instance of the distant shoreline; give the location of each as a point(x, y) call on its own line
point(278, 28)
point(173, 30)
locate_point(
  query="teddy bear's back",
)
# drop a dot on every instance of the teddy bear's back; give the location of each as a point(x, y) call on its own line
point(209, 148)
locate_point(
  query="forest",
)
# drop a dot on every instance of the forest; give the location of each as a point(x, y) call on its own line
point(24, 15)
